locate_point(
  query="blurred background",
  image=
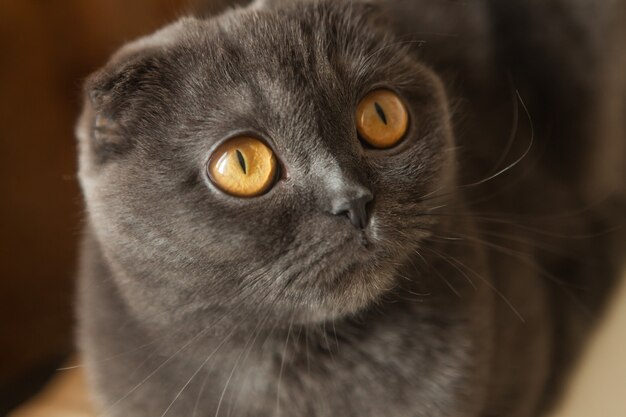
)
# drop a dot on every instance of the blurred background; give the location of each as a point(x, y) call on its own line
point(46, 50)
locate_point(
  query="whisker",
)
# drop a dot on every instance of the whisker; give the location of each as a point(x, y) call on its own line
point(239, 357)
point(447, 259)
point(514, 127)
point(519, 159)
point(165, 362)
point(540, 232)
point(444, 279)
point(486, 282)
point(282, 366)
point(565, 286)
point(180, 392)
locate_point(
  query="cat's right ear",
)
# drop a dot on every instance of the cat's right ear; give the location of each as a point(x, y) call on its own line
point(108, 102)
point(115, 95)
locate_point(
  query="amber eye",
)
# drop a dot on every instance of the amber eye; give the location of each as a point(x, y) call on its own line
point(243, 167)
point(381, 119)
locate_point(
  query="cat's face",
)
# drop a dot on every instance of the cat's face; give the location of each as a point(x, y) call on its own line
point(293, 79)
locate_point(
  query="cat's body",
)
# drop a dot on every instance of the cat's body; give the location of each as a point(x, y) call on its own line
point(486, 259)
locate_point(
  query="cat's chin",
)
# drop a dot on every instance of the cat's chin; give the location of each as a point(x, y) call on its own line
point(348, 290)
point(352, 276)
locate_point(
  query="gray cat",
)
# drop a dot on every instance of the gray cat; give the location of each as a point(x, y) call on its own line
point(347, 208)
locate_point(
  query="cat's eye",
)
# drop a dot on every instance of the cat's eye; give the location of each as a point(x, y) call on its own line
point(381, 119)
point(243, 167)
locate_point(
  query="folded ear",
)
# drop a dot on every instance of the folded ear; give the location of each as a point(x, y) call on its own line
point(111, 95)
point(117, 94)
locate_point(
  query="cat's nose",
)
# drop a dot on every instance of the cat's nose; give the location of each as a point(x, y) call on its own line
point(353, 204)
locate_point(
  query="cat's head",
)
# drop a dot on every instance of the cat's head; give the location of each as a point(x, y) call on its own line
point(242, 162)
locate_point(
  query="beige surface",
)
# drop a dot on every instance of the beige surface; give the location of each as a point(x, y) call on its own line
point(599, 389)
point(64, 397)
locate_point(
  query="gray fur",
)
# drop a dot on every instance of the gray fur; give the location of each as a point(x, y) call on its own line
point(468, 293)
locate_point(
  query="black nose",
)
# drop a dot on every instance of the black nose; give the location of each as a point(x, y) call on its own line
point(353, 205)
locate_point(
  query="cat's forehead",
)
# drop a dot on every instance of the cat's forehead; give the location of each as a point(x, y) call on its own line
point(307, 43)
point(310, 56)
point(315, 48)
point(290, 73)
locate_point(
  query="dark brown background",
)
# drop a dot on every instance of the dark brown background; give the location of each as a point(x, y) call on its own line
point(46, 49)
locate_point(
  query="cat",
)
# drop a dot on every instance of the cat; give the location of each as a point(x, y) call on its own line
point(351, 208)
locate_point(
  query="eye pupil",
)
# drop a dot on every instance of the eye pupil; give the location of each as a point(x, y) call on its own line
point(381, 112)
point(242, 161)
